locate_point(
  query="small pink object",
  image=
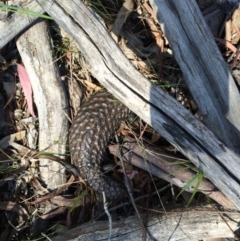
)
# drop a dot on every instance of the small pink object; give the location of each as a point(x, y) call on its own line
point(26, 85)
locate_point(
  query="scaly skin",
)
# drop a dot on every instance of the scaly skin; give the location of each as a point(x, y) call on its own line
point(90, 133)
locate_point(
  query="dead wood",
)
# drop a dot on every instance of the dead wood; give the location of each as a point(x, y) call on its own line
point(206, 73)
point(13, 24)
point(186, 225)
point(154, 106)
point(49, 97)
point(161, 164)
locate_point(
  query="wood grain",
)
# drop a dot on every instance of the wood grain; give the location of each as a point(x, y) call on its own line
point(184, 225)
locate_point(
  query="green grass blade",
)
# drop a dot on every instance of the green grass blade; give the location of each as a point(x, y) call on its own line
point(199, 177)
point(18, 10)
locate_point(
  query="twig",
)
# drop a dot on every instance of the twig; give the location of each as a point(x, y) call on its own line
point(105, 205)
point(131, 196)
point(136, 199)
point(45, 236)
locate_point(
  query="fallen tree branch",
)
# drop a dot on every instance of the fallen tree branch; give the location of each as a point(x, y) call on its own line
point(166, 167)
point(14, 24)
point(152, 104)
point(206, 73)
point(190, 224)
point(49, 98)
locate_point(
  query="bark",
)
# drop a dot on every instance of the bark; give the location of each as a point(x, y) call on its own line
point(206, 73)
point(49, 97)
point(13, 24)
point(162, 165)
point(173, 226)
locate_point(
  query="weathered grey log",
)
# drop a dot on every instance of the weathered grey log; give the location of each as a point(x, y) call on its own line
point(108, 64)
point(180, 225)
point(16, 23)
point(49, 97)
point(206, 73)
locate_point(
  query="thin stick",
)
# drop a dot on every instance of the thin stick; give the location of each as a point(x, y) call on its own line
point(126, 182)
point(136, 199)
point(105, 205)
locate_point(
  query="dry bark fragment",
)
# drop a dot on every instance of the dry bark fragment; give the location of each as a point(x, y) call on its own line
point(49, 98)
